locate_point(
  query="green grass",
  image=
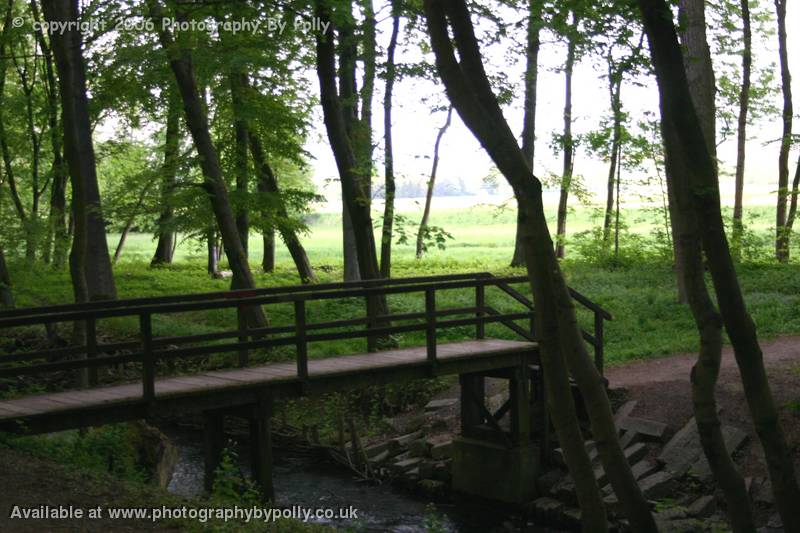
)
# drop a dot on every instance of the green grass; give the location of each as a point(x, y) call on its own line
point(640, 295)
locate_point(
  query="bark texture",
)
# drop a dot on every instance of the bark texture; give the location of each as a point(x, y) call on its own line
point(702, 189)
point(388, 148)
point(741, 131)
point(169, 169)
point(426, 212)
point(781, 235)
point(568, 147)
point(556, 324)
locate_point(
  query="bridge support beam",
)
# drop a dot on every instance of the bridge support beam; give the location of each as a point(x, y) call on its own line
point(495, 458)
point(261, 446)
point(213, 444)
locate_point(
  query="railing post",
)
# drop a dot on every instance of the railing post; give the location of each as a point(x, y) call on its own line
point(598, 337)
point(300, 335)
point(480, 303)
point(91, 350)
point(241, 318)
point(372, 341)
point(148, 362)
point(430, 324)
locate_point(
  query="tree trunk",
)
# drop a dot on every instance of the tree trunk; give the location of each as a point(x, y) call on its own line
point(556, 322)
point(702, 189)
point(790, 218)
point(349, 250)
point(423, 225)
point(709, 325)
point(568, 147)
point(529, 116)
point(268, 183)
point(169, 169)
point(388, 167)
point(6, 294)
point(614, 90)
point(240, 128)
point(183, 68)
point(212, 256)
point(781, 235)
point(741, 133)
point(268, 259)
point(353, 171)
point(90, 263)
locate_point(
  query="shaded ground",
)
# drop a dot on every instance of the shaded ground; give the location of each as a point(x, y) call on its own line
point(31, 482)
point(663, 391)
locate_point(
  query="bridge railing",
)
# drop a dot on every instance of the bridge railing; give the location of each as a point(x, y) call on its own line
point(149, 349)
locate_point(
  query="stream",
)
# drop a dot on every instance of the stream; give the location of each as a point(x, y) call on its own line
point(313, 483)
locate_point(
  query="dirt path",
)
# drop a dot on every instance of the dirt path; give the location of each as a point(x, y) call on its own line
point(663, 391)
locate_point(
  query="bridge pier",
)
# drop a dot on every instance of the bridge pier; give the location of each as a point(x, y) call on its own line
point(258, 416)
point(494, 457)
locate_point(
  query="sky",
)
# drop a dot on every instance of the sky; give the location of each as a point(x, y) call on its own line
point(415, 126)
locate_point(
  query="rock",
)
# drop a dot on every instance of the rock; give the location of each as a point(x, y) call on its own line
point(406, 465)
point(624, 412)
point(425, 470)
point(405, 424)
point(571, 517)
point(683, 525)
point(684, 451)
point(557, 457)
point(548, 480)
point(600, 476)
point(430, 488)
point(435, 405)
point(404, 440)
point(441, 472)
point(762, 492)
point(734, 438)
point(671, 513)
point(643, 468)
point(629, 438)
point(442, 450)
point(380, 458)
point(612, 505)
point(155, 453)
point(703, 507)
point(648, 429)
point(437, 425)
point(545, 509)
point(377, 449)
point(564, 490)
point(418, 448)
point(658, 485)
point(635, 453)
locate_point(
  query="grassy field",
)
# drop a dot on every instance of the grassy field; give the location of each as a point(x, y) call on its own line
point(640, 293)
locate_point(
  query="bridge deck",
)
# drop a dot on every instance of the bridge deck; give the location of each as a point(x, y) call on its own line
point(233, 387)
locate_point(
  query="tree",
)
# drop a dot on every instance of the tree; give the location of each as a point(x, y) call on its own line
point(180, 61)
point(348, 135)
point(90, 264)
point(556, 324)
point(388, 149)
point(781, 234)
point(533, 44)
point(169, 168)
point(566, 141)
point(696, 189)
point(423, 225)
point(741, 133)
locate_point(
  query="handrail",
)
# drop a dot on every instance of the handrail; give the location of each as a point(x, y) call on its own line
point(234, 293)
point(149, 350)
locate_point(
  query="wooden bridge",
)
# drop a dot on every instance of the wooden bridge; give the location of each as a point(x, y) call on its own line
point(103, 372)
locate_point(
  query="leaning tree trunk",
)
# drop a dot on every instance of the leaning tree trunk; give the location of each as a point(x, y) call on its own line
point(350, 164)
point(529, 114)
point(240, 128)
point(793, 199)
point(702, 189)
point(781, 235)
point(567, 147)
point(741, 133)
point(426, 212)
point(557, 326)
point(709, 325)
point(89, 260)
point(183, 68)
point(269, 184)
point(169, 170)
point(388, 158)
